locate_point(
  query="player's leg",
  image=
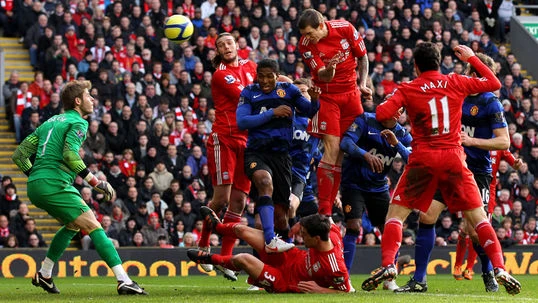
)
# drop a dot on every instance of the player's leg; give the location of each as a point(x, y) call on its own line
point(282, 176)
point(466, 197)
point(63, 203)
point(89, 224)
point(415, 190)
point(353, 204)
point(424, 244)
point(297, 190)
point(326, 125)
point(461, 247)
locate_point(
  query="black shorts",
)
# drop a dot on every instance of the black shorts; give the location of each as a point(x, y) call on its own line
point(297, 186)
point(483, 180)
point(279, 167)
point(355, 202)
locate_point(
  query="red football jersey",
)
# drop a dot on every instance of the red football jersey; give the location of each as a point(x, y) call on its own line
point(327, 268)
point(226, 86)
point(343, 41)
point(434, 104)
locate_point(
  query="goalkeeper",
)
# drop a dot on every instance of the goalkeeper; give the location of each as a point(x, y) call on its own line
point(55, 145)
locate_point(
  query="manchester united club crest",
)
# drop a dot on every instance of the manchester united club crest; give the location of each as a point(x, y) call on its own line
point(347, 209)
point(474, 110)
point(281, 93)
point(253, 165)
point(344, 43)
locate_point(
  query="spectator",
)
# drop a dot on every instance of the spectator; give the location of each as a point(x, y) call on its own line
point(9, 202)
point(153, 230)
point(177, 237)
point(141, 217)
point(445, 229)
point(126, 235)
point(4, 229)
point(161, 177)
point(23, 236)
point(504, 239)
point(11, 241)
point(138, 240)
point(156, 205)
point(187, 216)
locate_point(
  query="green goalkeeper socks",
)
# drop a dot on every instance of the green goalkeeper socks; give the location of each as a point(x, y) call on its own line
point(105, 248)
point(59, 243)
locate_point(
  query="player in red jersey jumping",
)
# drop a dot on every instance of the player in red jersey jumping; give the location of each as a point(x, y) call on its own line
point(226, 144)
point(330, 49)
point(434, 105)
point(320, 269)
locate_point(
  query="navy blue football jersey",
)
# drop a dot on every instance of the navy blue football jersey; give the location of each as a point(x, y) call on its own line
point(255, 113)
point(364, 135)
point(303, 145)
point(482, 114)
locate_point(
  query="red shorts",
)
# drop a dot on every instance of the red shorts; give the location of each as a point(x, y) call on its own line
point(336, 113)
point(443, 169)
point(276, 276)
point(271, 280)
point(225, 160)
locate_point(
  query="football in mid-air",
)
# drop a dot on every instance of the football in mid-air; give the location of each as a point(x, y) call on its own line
point(178, 28)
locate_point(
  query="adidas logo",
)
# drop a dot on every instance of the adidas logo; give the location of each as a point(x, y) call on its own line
point(488, 242)
point(397, 198)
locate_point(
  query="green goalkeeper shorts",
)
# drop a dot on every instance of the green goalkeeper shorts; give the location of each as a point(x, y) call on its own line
point(60, 199)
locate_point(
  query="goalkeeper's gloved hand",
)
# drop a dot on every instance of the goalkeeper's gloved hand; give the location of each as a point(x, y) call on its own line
point(103, 187)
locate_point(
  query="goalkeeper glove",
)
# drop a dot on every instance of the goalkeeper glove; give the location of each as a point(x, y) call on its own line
point(103, 187)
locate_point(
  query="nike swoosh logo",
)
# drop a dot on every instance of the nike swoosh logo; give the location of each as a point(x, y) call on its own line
point(49, 285)
point(370, 133)
point(272, 249)
point(138, 290)
point(254, 97)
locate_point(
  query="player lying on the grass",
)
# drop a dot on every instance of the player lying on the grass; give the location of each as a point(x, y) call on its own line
point(320, 269)
point(484, 128)
point(55, 145)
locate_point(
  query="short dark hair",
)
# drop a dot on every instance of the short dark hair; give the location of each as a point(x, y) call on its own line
point(268, 63)
point(427, 57)
point(487, 60)
point(310, 17)
point(317, 225)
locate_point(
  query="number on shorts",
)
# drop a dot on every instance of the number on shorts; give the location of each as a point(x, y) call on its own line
point(435, 115)
point(269, 277)
point(485, 196)
point(46, 141)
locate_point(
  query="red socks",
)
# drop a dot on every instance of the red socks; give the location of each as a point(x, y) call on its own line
point(490, 243)
point(226, 229)
point(329, 177)
point(471, 254)
point(204, 237)
point(391, 241)
point(224, 261)
point(460, 250)
point(228, 239)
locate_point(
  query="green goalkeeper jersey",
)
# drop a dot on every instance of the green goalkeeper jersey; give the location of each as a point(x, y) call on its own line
point(55, 144)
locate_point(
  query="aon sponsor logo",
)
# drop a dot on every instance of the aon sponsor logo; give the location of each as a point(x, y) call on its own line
point(469, 130)
point(387, 161)
point(300, 135)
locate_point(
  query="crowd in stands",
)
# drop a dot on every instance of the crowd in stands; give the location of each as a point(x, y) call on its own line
point(154, 110)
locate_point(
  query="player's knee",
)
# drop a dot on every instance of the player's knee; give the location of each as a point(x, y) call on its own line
point(241, 260)
point(353, 225)
point(427, 218)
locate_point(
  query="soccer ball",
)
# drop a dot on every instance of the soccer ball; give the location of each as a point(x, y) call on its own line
point(178, 28)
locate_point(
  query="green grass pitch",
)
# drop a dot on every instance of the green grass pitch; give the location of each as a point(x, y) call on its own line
point(442, 288)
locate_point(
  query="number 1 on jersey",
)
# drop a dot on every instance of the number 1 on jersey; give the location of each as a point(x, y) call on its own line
point(46, 141)
point(435, 115)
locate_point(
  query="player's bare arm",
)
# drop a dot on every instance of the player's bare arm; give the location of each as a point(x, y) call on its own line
point(312, 287)
point(363, 77)
point(500, 141)
point(314, 93)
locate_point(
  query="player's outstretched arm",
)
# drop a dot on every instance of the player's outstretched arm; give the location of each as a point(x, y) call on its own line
point(21, 156)
point(487, 83)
